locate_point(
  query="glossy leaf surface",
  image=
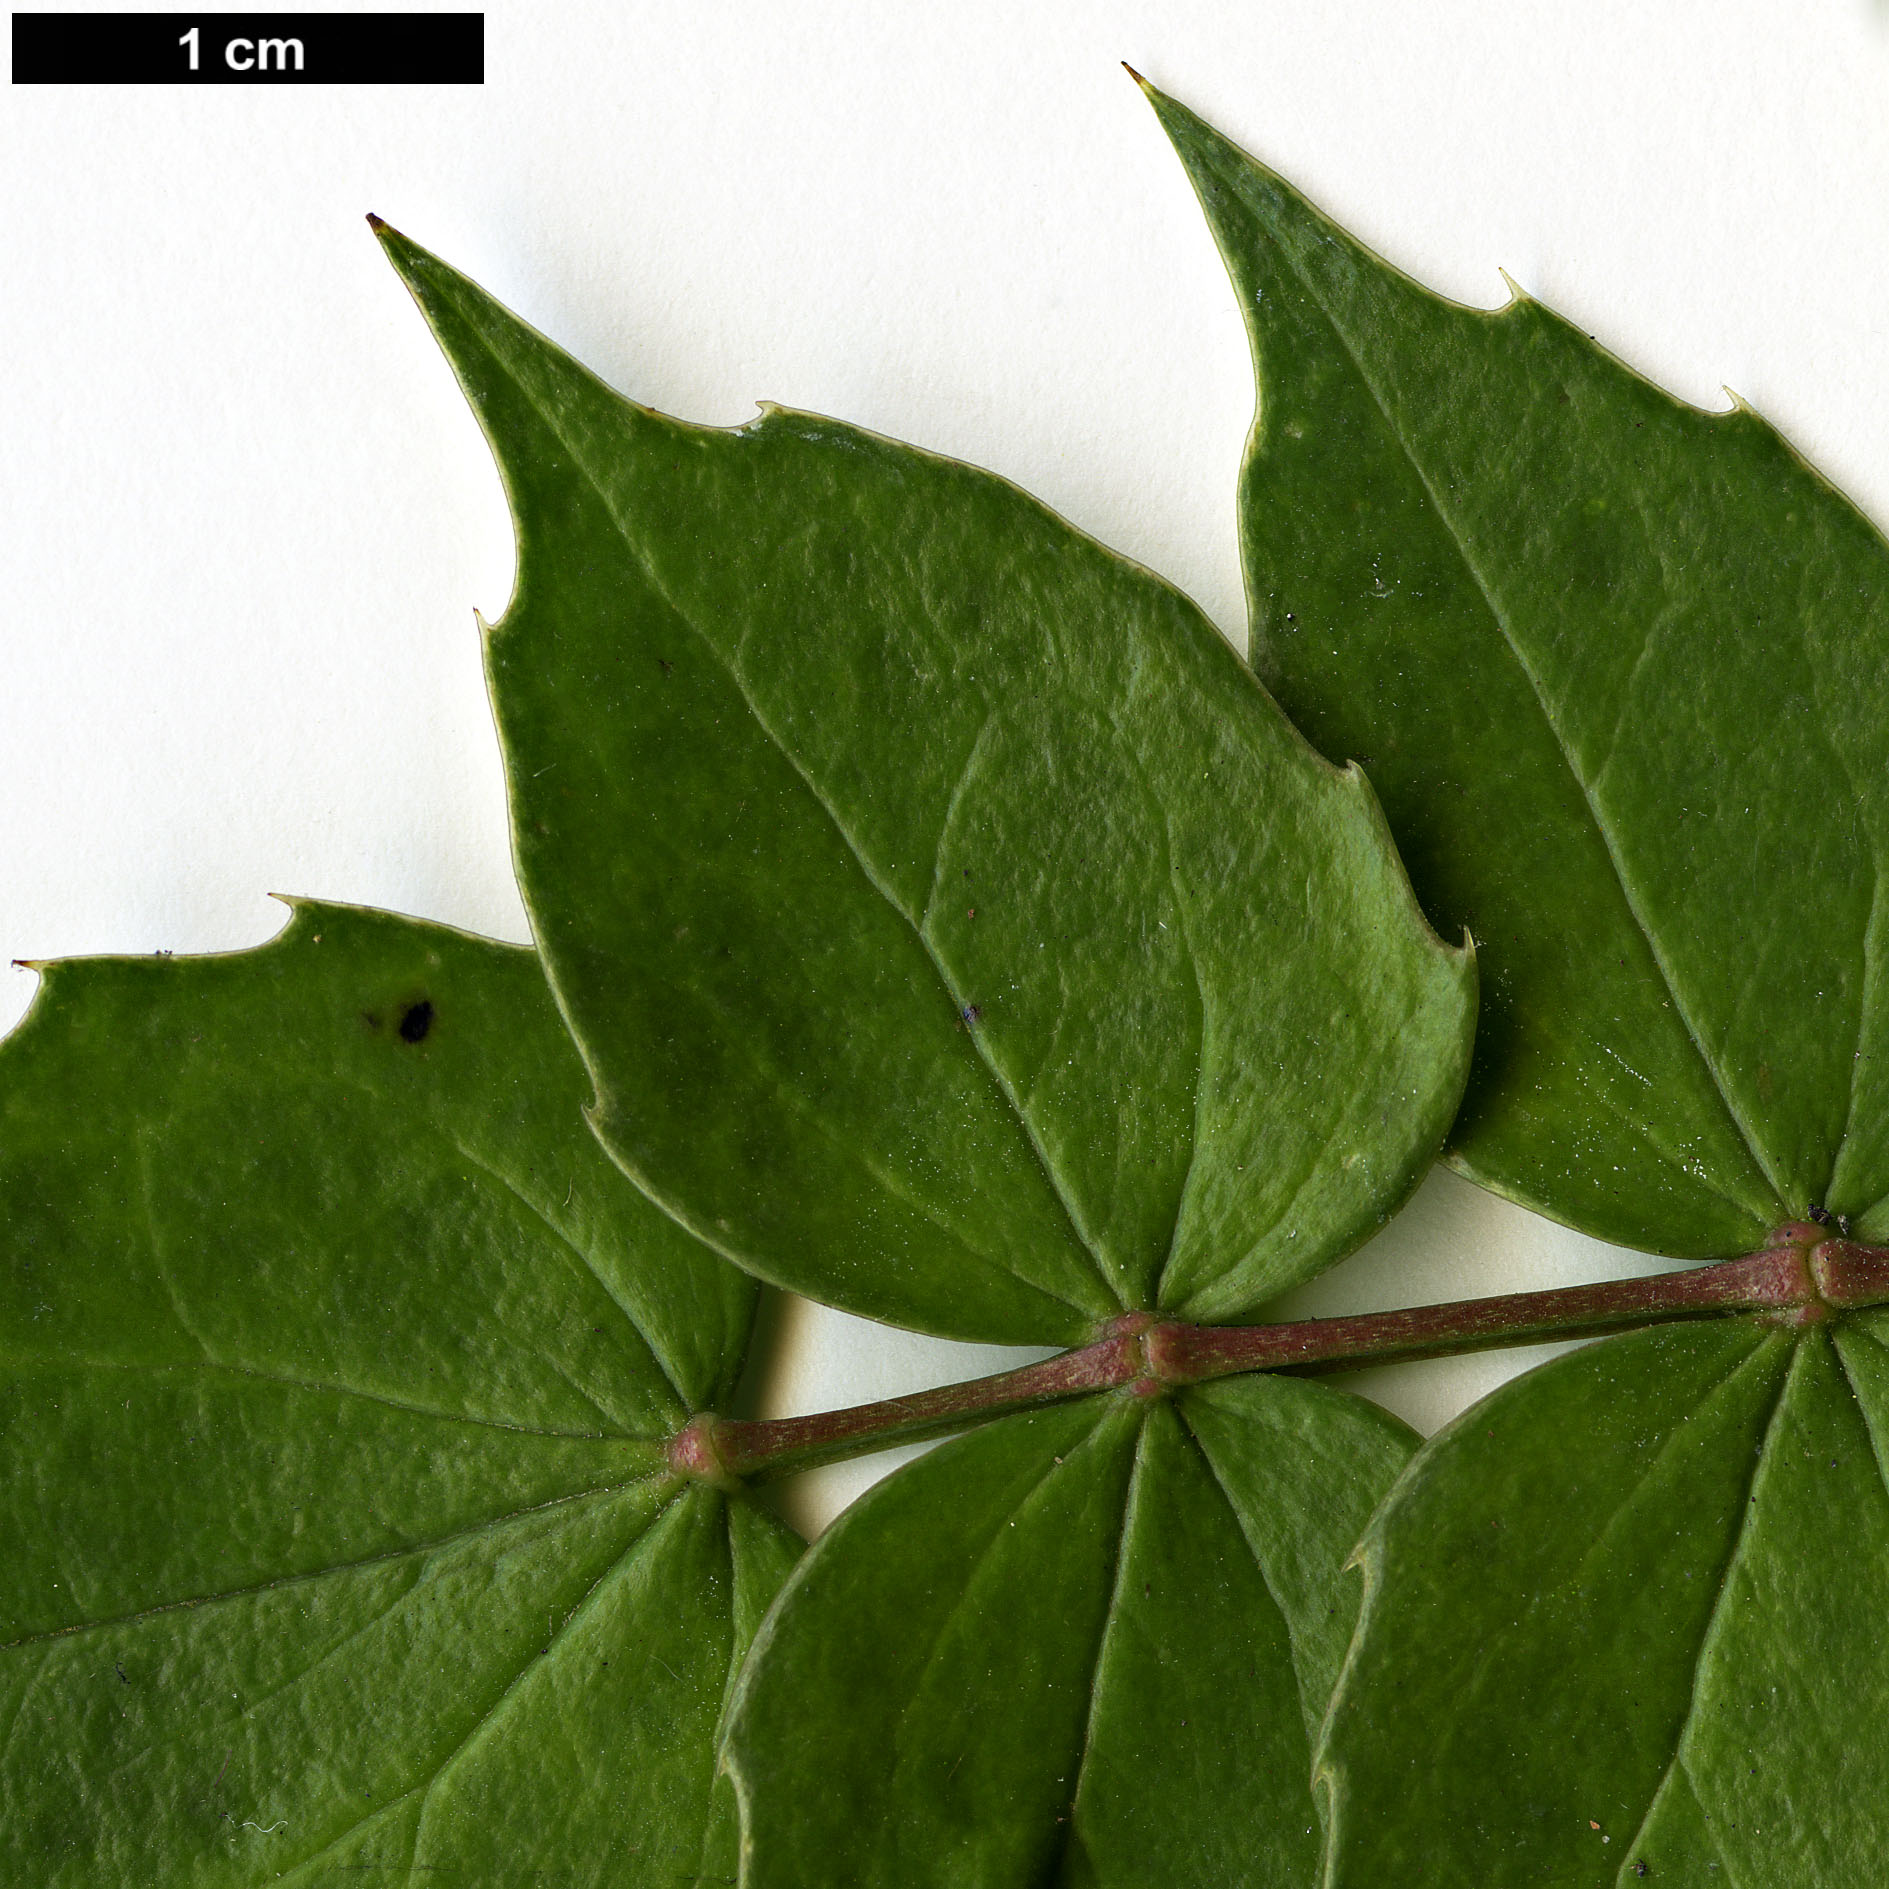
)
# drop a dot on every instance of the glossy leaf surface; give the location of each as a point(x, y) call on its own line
point(335, 1364)
point(1623, 1621)
point(875, 827)
point(1620, 670)
point(1086, 1646)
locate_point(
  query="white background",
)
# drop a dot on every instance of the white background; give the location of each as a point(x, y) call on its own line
point(246, 518)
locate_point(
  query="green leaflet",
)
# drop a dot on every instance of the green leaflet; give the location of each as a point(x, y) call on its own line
point(874, 826)
point(335, 1365)
point(1086, 1646)
point(1620, 671)
point(1625, 1612)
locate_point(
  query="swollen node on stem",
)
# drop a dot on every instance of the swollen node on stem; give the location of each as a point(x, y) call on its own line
point(1800, 1278)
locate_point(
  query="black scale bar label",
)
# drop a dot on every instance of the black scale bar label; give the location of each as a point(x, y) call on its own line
point(248, 48)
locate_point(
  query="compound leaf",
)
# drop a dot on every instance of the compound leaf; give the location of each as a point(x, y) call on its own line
point(1620, 670)
point(1085, 1646)
point(1621, 1623)
point(873, 823)
point(336, 1365)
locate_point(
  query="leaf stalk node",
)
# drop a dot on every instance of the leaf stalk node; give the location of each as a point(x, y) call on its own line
point(695, 1452)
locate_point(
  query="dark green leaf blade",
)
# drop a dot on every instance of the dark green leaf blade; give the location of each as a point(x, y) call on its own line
point(239, 1103)
point(336, 1365)
point(577, 1766)
point(1085, 1646)
point(873, 825)
point(1620, 1613)
point(1620, 670)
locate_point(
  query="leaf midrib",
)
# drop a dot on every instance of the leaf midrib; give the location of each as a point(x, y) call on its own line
point(633, 1550)
point(316, 1387)
point(1053, 1868)
point(1086, 1442)
point(1457, 542)
point(1311, 1714)
point(426, 1786)
point(485, 1526)
point(451, 1140)
point(585, 1262)
point(1369, 1557)
point(1750, 1505)
point(612, 1426)
point(1748, 1508)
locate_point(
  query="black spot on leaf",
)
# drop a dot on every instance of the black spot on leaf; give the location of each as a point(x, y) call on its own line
point(415, 1021)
